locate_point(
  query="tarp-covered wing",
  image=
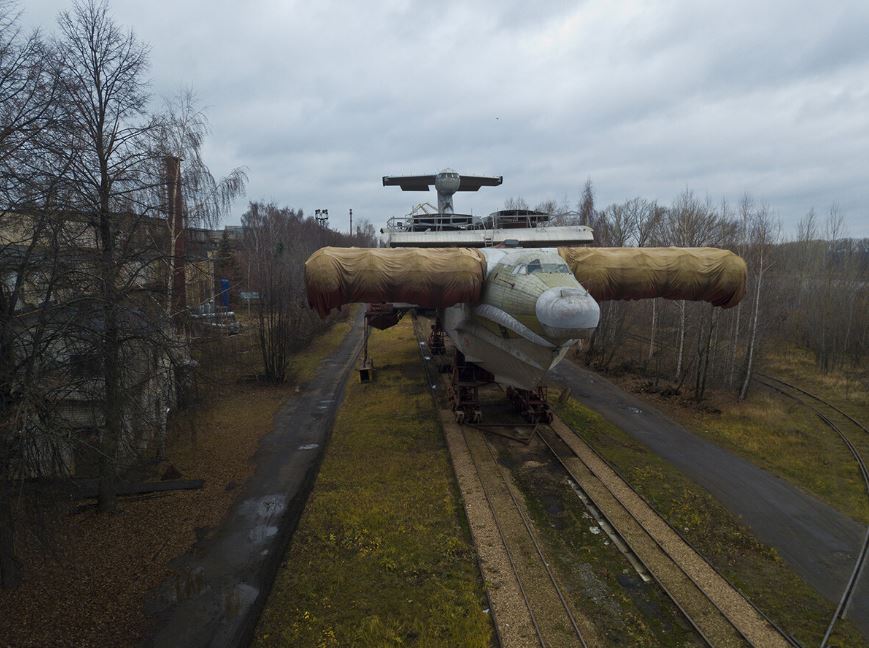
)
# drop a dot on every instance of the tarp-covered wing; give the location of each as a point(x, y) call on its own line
point(696, 274)
point(427, 277)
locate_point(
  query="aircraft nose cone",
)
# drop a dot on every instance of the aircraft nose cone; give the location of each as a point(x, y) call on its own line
point(567, 313)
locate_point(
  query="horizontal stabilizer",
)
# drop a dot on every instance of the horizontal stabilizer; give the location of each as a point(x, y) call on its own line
point(409, 183)
point(425, 182)
point(473, 183)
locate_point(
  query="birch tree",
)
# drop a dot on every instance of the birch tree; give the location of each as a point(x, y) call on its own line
point(763, 233)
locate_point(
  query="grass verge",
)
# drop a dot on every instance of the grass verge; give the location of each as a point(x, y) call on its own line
point(774, 431)
point(715, 532)
point(382, 555)
point(782, 437)
point(845, 387)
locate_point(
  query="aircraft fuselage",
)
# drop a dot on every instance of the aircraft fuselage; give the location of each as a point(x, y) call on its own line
point(532, 311)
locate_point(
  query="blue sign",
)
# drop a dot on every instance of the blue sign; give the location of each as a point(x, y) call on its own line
point(224, 292)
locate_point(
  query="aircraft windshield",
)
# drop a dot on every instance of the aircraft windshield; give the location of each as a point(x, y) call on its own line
point(537, 266)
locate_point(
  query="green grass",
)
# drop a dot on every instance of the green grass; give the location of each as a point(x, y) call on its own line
point(382, 555)
point(753, 567)
point(787, 439)
point(777, 433)
point(304, 364)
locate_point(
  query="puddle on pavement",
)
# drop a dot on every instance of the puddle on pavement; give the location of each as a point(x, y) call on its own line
point(262, 532)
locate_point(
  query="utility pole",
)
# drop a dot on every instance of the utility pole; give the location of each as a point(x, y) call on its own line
point(351, 222)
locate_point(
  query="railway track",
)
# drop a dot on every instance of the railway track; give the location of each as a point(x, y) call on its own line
point(717, 611)
point(552, 618)
point(720, 614)
point(815, 403)
point(554, 621)
point(759, 377)
point(799, 395)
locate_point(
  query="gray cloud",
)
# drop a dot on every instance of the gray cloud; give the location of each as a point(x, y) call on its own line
point(320, 99)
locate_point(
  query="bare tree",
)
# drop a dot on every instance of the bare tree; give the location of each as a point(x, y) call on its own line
point(547, 207)
point(365, 235)
point(277, 241)
point(270, 248)
point(28, 120)
point(180, 131)
point(689, 223)
point(102, 69)
point(178, 135)
point(515, 203)
point(586, 204)
point(763, 233)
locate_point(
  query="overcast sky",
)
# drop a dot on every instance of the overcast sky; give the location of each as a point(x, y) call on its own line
point(320, 99)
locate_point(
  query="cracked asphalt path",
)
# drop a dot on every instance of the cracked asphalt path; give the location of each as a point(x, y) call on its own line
point(221, 585)
point(817, 541)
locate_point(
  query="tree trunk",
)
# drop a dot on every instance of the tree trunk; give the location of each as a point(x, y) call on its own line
point(713, 349)
point(652, 332)
point(751, 344)
point(681, 339)
point(112, 405)
point(734, 345)
point(589, 353)
point(10, 572)
point(703, 371)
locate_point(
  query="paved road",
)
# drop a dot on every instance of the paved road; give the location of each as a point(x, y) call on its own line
point(223, 584)
point(817, 541)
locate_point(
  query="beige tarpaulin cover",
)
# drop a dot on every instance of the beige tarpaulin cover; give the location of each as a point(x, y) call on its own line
point(428, 277)
point(696, 274)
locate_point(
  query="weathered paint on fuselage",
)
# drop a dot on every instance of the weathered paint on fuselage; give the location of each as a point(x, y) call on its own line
point(504, 333)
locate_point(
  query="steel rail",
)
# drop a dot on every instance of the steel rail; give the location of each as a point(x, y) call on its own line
point(787, 636)
point(817, 398)
point(537, 547)
point(509, 553)
point(432, 392)
point(498, 527)
point(612, 524)
point(860, 562)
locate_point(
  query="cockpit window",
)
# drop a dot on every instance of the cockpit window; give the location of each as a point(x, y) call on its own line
point(536, 266)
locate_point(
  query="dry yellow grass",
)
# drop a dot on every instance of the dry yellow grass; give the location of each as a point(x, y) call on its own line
point(846, 388)
point(779, 435)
